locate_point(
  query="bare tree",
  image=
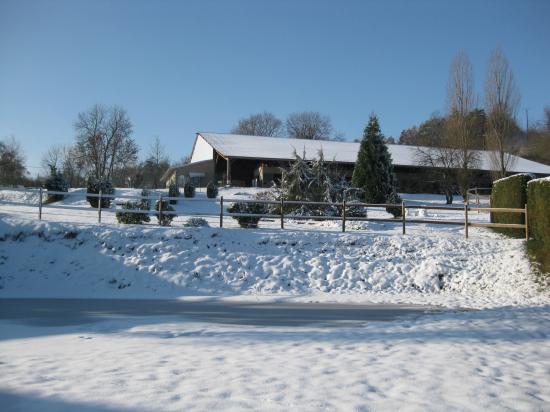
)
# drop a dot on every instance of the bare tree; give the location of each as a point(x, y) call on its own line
point(501, 102)
point(12, 162)
point(53, 158)
point(156, 164)
point(309, 125)
point(460, 124)
point(443, 161)
point(104, 140)
point(259, 124)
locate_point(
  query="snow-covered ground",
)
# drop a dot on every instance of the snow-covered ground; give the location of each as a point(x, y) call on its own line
point(495, 357)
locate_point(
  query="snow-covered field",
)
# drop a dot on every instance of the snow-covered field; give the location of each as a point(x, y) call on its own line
point(495, 357)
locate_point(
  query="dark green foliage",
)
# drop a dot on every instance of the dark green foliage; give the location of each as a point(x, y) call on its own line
point(189, 190)
point(163, 218)
point(94, 186)
point(174, 191)
point(394, 199)
point(373, 171)
point(246, 207)
point(211, 190)
point(510, 192)
point(133, 218)
point(538, 206)
point(56, 183)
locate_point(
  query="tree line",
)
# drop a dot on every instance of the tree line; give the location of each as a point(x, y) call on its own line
point(104, 150)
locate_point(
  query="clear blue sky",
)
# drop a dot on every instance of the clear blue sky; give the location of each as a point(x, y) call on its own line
point(183, 66)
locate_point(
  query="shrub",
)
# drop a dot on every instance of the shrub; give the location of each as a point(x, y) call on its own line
point(211, 190)
point(195, 222)
point(510, 192)
point(94, 186)
point(130, 217)
point(146, 202)
point(394, 210)
point(56, 183)
point(174, 191)
point(163, 218)
point(189, 190)
point(252, 208)
point(538, 207)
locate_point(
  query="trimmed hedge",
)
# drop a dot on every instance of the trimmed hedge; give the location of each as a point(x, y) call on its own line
point(538, 207)
point(510, 192)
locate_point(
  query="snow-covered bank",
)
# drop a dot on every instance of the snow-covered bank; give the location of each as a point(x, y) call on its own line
point(39, 259)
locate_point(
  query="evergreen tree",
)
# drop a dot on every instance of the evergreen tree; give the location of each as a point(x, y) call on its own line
point(373, 170)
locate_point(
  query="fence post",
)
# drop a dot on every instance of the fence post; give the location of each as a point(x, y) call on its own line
point(99, 207)
point(466, 220)
point(40, 206)
point(403, 215)
point(282, 213)
point(344, 215)
point(526, 224)
point(160, 208)
point(221, 211)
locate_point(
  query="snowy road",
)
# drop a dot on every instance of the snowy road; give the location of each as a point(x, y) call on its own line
point(66, 312)
point(116, 355)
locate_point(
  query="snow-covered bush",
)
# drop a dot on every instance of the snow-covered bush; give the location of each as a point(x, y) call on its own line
point(248, 208)
point(93, 186)
point(395, 199)
point(133, 218)
point(173, 191)
point(56, 183)
point(195, 222)
point(163, 218)
point(211, 190)
point(189, 190)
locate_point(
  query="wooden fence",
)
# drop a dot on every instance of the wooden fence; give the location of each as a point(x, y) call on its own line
point(343, 206)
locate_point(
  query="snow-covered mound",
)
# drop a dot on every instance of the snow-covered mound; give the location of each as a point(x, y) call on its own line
point(64, 260)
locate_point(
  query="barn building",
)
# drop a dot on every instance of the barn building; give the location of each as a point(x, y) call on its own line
point(240, 160)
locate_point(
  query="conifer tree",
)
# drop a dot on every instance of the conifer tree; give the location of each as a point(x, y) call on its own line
point(373, 171)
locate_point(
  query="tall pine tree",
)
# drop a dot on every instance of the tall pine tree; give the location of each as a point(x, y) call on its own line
point(373, 171)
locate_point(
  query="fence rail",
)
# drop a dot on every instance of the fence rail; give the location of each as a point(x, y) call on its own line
point(343, 206)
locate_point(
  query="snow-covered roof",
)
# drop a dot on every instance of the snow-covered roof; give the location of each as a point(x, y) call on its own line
point(280, 148)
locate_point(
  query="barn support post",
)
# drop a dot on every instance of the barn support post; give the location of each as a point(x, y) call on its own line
point(99, 206)
point(228, 171)
point(40, 206)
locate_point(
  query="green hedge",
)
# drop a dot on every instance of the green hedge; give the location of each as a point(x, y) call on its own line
point(538, 207)
point(510, 192)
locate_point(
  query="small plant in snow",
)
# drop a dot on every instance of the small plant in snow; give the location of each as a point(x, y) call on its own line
point(164, 219)
point(189, 190)
point(146, 202)
point(248, 208)
point(56, 183)
point(195, 222)
point(93, 186)
point(174, 191)
point(130, 217)
point(211, 190)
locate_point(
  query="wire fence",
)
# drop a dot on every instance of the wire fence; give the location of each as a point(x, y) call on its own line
point(277, 210)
